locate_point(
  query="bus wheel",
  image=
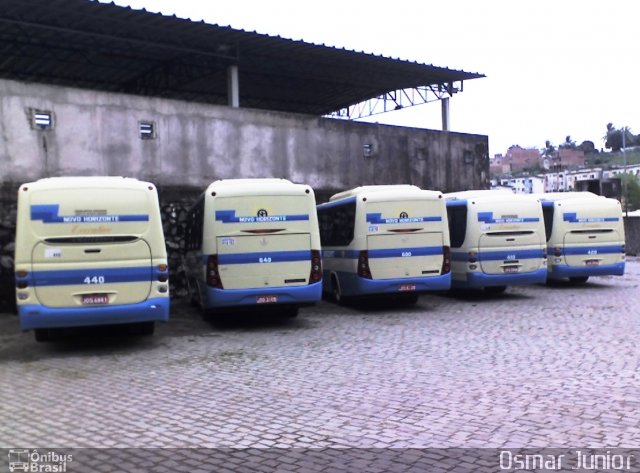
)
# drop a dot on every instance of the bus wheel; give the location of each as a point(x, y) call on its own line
point(194, 293)
point(410, 299)
point(579, 279)
point(290, 312)
point(42, 334)
point(337, 293)
point(495, 289)
point(143, 328)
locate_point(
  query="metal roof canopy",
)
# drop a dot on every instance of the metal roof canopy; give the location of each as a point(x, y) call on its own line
point(99, 46)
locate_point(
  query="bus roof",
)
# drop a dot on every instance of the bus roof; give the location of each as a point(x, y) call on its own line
point(87, 181)
point(489, 196)
point(479, 193)
point(257, 186)
point(566, 195)
point(404, 189)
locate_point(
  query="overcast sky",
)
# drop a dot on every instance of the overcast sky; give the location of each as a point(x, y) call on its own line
point(554, 67)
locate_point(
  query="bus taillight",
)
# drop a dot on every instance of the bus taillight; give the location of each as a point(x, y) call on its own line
point(557, 251)
point(21, 279)
point(213, 275)
point(446, 260)
point(316, 267)
point(363, 265)
point(163, 275)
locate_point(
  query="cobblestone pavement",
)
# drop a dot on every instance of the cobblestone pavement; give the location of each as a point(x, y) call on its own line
point(538, 366)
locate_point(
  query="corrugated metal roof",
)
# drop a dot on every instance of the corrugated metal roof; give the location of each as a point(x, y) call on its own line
point(101, 46)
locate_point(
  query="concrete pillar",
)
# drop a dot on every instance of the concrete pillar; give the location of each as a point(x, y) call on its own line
point(445, 114)
point(233, 86)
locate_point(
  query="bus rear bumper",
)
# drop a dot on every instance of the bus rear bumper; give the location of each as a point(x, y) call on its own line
point(559, 271)
point(292, 295)
point(353, 285)
point(35, 316)
point(480, 280)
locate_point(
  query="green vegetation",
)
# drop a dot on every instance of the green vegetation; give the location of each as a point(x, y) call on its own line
point(613, 158)
point(633, 192)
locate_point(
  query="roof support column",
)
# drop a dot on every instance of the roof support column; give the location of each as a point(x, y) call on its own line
point(233, 86)
point(445, 113)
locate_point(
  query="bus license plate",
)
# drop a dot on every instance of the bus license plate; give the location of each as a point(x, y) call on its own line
point(407, 287)
point(511, 269)
point(266, 299)
point(592, 262)
point(95, 299)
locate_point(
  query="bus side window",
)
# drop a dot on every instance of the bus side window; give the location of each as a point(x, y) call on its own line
point(457, 224)
point(337, 224)
point(547, 213)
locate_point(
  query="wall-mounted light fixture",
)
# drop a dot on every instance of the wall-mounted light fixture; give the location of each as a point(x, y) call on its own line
point(147, 130)
point(41, 119)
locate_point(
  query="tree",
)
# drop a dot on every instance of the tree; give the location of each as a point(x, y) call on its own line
point(613, 138)
point(588, 147)
point(548, 150)
point(633, 191)
point(568, 143)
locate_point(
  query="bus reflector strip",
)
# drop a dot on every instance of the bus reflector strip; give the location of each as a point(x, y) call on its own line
point(264, 257)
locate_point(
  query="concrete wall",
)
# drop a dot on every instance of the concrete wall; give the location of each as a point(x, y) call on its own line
point(97, 133)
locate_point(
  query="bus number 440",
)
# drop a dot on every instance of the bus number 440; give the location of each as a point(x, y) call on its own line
point(93, 280)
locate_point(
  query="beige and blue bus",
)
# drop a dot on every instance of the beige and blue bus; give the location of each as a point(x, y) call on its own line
point(497, 240)
point(384, 240)
point(90, 251)
point(585, 235)
point(254, 243)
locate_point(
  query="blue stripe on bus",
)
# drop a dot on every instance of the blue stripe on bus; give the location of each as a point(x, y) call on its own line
point(378, 219)
point(64, 277)
point(264, 257)
point(229, 216)
point(487, 217)
point(572, 217)
point(587, 250)
point(336, 203)
point(456, 202)
point(502, 255)
point(49, 214)
point(405, 252)
point(384, 253)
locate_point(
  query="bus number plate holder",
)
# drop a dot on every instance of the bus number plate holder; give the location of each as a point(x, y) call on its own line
point(266, 299)
point(95, 299)
point(592, 262)
point(407, 287)
point(511, 269)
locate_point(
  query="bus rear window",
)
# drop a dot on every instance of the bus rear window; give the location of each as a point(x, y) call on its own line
point(457, 224)
point(547, 214)
point(83, 240)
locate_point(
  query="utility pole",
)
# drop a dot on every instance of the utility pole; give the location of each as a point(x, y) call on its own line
point(624, 177)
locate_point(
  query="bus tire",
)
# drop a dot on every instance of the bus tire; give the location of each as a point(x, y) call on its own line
point(410, 299)
point(495, 289)
point(290, 312)
point(194, 293)
point(143, 328)
point(335, 289)
point(579, 279)
point(42, 335)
